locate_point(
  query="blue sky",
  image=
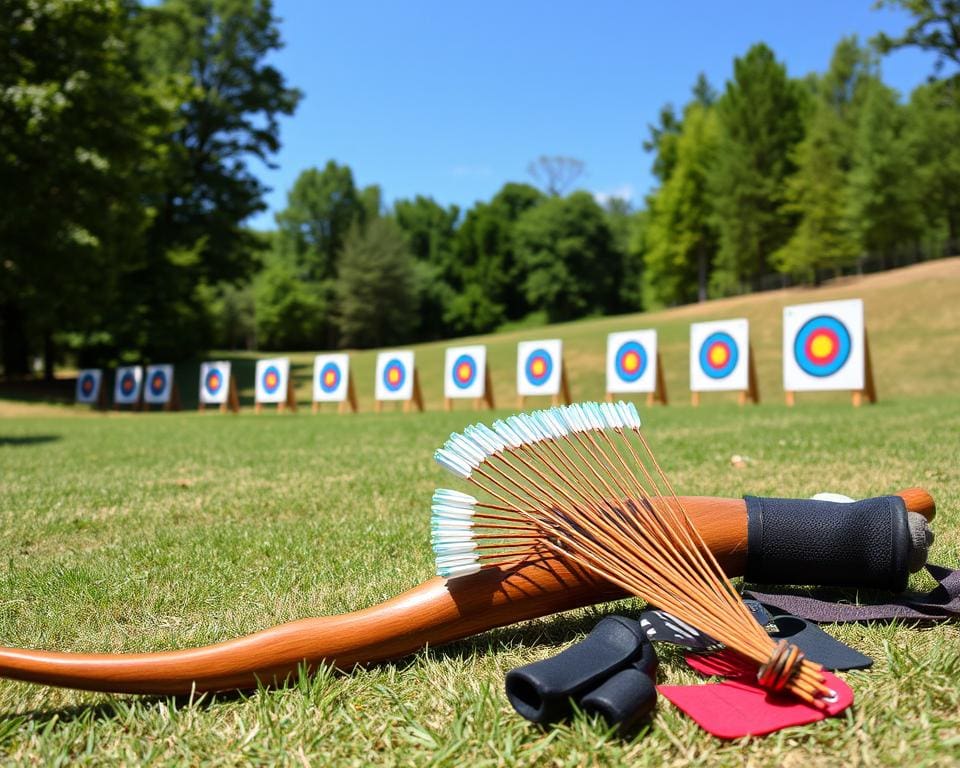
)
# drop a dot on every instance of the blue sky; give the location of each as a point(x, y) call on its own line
point(452, 99)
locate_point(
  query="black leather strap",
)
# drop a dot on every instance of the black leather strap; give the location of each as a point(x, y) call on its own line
point(803, 541)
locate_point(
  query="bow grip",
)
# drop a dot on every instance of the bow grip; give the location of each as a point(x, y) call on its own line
point(870, 543)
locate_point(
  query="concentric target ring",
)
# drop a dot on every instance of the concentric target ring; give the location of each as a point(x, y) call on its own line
point(719, 355)
point(822, 346)
point(127, 383)
point(539, 367)
point(394, 375)
point(158, 383)
point(329, 378)
point(87, 384)
point(464, 371)
point(213, 381)
point(631, 361)
point(271, 379)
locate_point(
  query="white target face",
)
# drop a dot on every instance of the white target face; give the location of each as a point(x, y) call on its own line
point(273, 376)
point(331, 378)
point(539, 367)
point(465, 372)
point(394, 375)
point(127, 385)
point(720, 356)
point(214, 382)
point(158, 384)
point(632, 361)
point(88, 385)
point(823, 346)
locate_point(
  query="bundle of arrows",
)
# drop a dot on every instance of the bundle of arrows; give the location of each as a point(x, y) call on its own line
point(581, 482)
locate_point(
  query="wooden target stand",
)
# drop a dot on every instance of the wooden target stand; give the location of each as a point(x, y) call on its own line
point(560, 398)
point(348, 404)
point(172, 404)
point(415, 401)
point(659, 394)
point(749, 395)
point(289, 401)
point(857, 396)
point(232, 403)
point(101, 404)
point(478, 402)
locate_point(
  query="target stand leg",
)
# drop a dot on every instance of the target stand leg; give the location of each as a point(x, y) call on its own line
point(659, 394)
point(695, 399)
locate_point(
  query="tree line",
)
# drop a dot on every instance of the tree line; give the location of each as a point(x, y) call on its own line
point(126, 132)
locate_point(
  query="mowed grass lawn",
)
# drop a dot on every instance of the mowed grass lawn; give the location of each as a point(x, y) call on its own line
point(126, 532)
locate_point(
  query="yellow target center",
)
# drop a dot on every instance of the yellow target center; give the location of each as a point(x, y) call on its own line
point(538, 367)
point(631, 361)
point(822, 346)
point(718, 355)
point(464, 371)
point(329, 378)
point(393, 376)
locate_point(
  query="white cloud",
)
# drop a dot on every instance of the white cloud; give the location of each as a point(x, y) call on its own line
point(625, 191)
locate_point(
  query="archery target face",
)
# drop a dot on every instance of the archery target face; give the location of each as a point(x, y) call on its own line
point(394, 375)
point(126, 387)
point(88, 385)
point(158, 384)
point(539, 367)
point(330, 378)
point(272, 378)
point(214, 382)
point(720, 356)
point(632, 361)
point(823, 346)
point(465, 372)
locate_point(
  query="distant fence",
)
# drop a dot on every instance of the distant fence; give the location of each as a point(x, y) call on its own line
point(902, 256)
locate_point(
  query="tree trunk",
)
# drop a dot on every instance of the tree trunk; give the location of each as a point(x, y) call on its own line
point(49, 355)
point(13, 339)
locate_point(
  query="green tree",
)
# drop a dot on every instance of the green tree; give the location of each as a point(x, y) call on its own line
point(566, 249)
point(207, 58)
point(74, 142)
point(818, 194)
point(933, 132)
point(376, 288)
point(884, 197)
point(486, 276)
point(936, 28)
point(761, 121)
point(430, 232)
point(322, 206)
point(290, 313)
point(680, 237)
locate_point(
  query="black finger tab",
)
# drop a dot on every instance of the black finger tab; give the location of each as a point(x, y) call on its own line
point(542, 692)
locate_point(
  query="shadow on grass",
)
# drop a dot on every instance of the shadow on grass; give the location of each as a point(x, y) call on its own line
point(22, 440)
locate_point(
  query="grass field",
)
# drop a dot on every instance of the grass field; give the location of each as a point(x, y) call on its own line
point(140, 532)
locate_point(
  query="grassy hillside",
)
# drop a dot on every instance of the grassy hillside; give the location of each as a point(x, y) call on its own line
point(913, 321)
point(146, 532)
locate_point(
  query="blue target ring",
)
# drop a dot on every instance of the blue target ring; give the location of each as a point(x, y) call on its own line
point(158, 383)
point(539, 367)
point(87, 384)
point(394, 375)
point(464, 371)
point(630, 361)
point(719, 355)
point(822, 346)
point(128, 383)
point(330, 378)
point(271, 379)
point(213, 381)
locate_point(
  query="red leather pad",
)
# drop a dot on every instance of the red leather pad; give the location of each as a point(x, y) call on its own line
point(739, 707)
